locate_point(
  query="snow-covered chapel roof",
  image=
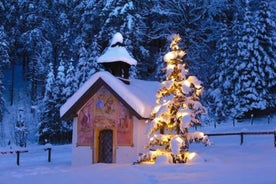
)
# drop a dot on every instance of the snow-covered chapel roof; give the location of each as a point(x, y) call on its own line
point(139, 95)
point(117, 52)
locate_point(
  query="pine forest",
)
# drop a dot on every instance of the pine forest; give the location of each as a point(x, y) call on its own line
point(49, 48)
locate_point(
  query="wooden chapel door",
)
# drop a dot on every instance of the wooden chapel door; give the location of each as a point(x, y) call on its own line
point(106, 146)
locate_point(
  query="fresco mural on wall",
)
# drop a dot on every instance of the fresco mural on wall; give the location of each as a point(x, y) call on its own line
point(105, 104)
point(104, 111)
point(111, 113)
point(85, 124)
point(124, 127)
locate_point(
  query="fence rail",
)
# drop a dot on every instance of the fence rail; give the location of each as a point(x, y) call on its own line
point(18, 152)
point(242, 134)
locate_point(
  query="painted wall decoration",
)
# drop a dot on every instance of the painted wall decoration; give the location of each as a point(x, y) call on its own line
point(85, 124)
point(124, 127)
point(104, 111)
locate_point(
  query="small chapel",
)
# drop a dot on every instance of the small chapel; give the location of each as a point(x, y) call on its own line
point(110, 111)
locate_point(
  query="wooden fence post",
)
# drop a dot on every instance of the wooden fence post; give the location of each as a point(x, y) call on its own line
point(275, 139)
point(17, 157)
point(49, 153)
point(251, 120)
point(242, 137)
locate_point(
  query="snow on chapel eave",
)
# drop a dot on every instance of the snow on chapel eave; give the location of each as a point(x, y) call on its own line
point(117, 87)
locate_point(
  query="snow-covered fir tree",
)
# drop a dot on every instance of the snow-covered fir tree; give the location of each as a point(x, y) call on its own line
point(243, 81)
point(265, 50)
point(60, 83)
point(222, 88)
point(70, 83)
point(86, 66)
point(62, 129)
point(177, 109)
point(94, 52)
point(249, 92)
point(47, 108)
point(51, 128)
point(223, 56)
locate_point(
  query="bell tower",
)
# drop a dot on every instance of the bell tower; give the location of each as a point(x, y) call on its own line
point(116, 59)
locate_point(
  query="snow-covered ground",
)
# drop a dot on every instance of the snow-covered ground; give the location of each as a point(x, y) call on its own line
point(225, 161)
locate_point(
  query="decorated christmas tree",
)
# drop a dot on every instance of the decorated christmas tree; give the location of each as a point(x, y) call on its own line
point(177, 109)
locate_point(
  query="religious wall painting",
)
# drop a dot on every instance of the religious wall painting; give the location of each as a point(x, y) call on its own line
point(104, 111)
point(124, 126)
point(85, 124)
point(111, 113)
point(105, 103)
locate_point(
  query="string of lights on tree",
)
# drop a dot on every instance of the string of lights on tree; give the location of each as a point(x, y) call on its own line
point(177, 109)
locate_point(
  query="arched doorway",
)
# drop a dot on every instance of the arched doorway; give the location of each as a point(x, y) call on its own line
point(106, 146)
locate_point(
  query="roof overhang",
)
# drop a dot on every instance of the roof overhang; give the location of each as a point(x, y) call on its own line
point(70, 109)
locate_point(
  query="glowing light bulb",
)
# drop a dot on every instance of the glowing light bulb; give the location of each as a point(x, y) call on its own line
point(179, 140)
point(187, 83)
point(201, 134)
point(191, 156)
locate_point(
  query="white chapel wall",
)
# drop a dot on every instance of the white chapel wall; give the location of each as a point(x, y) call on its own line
point(81, 155)
point(127, 154)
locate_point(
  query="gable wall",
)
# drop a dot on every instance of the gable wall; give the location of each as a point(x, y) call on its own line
point(104, 111)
